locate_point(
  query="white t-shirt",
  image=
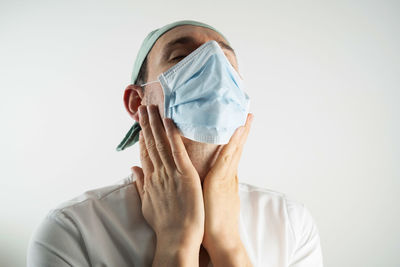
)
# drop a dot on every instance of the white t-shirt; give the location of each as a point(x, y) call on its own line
point(105, 227)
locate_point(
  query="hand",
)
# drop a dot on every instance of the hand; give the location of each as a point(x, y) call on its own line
point(169, 185)
point(221, 197)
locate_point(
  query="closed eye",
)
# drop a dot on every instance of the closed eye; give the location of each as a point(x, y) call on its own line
point(178, 58)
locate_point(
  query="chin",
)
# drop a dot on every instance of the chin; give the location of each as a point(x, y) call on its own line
point(199, 147)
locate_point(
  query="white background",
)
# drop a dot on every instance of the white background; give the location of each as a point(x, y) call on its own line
point(324, 81)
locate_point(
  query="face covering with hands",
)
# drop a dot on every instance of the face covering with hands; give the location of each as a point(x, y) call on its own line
point(204, 96)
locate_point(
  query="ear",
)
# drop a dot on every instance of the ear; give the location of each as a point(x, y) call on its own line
point(133, 96)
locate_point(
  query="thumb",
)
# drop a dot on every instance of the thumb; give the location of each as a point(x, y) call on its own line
point(138, 173)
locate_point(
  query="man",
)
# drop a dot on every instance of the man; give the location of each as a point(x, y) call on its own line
point(184, 207)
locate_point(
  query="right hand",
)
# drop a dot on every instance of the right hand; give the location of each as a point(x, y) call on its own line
point(168, 184)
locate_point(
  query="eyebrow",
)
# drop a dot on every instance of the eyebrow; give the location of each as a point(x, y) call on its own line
point(188, 39)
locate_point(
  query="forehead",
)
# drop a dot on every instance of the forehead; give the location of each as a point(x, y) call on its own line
point(197, 32)
point(200, 34)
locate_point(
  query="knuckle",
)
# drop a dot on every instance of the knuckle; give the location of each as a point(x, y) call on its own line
point(179, 173)
point(161, 147)
point(150, 144)
point(177, 153)
point(149, 181)
point(175, 174)
point(144, 123)
point(146, 187)
point(226, 158)
point(161, 172)
point(143, 154)
point(160, 180)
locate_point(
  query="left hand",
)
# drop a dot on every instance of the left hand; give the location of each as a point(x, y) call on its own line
point(221, 197)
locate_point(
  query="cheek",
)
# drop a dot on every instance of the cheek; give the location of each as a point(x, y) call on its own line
point(155, 96)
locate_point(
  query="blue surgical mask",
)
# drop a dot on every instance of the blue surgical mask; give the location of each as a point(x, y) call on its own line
point(203, 95)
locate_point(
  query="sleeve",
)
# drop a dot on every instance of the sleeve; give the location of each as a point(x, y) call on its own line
point(57, 242)
point(307, 249)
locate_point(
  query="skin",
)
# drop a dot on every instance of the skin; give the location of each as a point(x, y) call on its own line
point(185, 185)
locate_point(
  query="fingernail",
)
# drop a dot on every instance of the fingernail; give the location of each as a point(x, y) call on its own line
point(251, 117)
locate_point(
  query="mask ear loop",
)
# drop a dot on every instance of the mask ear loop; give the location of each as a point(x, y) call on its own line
point(144, 84)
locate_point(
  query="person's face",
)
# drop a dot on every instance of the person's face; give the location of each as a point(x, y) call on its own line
point(168, 50)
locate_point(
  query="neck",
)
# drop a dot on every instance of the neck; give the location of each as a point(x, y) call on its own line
point(202, 155)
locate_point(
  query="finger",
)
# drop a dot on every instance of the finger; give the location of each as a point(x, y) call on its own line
point(161, 140)
point(238, 153)
point(178, 150)
point(144, 155)
point(138, 173)
point(148, 137)
point(225, 157)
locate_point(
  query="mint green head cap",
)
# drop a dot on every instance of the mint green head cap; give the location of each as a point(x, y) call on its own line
point(133, 134)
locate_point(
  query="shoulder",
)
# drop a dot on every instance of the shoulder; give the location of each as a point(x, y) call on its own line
point(100, 202)
point(279, 215)
point(104, 202)
point(296, 213)
point(269, 200)
point(294, 209)
point(64, 234)
point(271, 206)
point(101, 194)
